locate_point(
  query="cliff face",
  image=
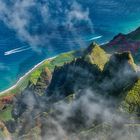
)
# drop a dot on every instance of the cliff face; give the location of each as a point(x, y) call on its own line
point(43, 82)
point(79, 99)
point(109, 76)
point(125, 42)
point(73, 77)
point(79, 74)
point(95, 55)
point(75, 97)
point(118, 74)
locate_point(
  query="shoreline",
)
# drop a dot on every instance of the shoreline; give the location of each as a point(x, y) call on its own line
point(24, 76)
point(32, 69)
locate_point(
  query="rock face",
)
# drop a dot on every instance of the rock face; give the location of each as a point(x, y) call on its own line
point(72, 77)
point(43, 82)
point(129, 42)
point(95, 55)
point(79, 74)
point(118, 73)
point(30, 98)
point(62, 101)
point(110, 76)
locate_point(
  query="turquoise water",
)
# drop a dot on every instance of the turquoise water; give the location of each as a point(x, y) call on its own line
point(64, 30)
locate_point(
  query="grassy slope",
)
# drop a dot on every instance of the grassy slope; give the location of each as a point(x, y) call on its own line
point(97, 56)
point(5, 114)
point(33, 76)
point(132, 100)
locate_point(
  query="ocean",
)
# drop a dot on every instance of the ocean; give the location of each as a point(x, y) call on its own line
point(26, 40)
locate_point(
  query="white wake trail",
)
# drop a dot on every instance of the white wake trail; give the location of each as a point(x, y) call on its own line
point(94, 38)
point(17, 50)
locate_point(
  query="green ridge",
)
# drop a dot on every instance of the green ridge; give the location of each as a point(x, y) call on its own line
point(96, 55)
point(131, 103)
point(34, 75)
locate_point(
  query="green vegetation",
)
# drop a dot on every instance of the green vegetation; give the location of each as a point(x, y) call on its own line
point(94, 55)
point(5, 114)
point(34, 75)
point(131, 102)
point(97, 55)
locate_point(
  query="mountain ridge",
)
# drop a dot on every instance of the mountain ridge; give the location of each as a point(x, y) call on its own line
point(90, 95)
point(125, 42)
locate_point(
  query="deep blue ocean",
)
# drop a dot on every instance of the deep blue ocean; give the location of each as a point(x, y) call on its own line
point(33, 31)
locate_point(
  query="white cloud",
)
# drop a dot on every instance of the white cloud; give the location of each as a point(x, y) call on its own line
point(17, 17)
point(32, 19)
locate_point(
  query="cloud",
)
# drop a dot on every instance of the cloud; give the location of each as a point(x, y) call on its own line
point(37, 23)
point(17, 17)
point(91, 116)
point(41, 23)
point(88, 110)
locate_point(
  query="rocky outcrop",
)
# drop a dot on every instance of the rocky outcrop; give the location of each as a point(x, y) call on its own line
point(118, 74)
point(37, 107)
point(73, 77)
point(94, 54)
point(42, 82)
point(79, 74)
point(125, 42)
point(31, 97)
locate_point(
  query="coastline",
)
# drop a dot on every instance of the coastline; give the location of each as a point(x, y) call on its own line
point(26, 74)
point(30, 71)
